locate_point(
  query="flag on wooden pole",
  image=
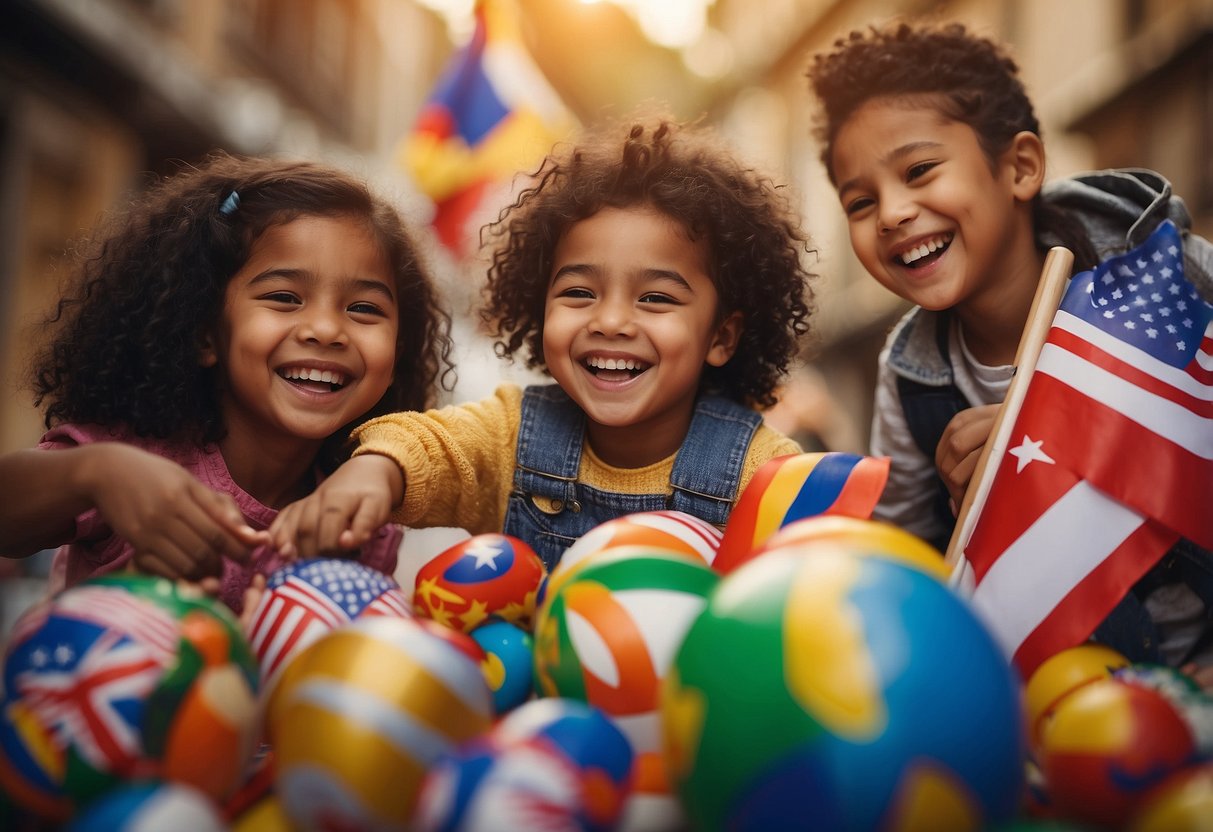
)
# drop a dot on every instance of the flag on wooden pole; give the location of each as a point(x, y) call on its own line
point(1110, 458)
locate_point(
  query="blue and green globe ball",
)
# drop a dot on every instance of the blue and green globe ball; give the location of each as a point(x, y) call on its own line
point(820, 689)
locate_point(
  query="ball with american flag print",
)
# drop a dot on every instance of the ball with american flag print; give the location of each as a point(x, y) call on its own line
point(304, 600)
point(120, 678)
point(482, 576)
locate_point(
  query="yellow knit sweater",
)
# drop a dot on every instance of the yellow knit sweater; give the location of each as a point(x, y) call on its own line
point(458, 461)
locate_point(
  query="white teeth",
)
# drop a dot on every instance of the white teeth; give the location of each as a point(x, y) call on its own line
point(922, 250)
point(614, 364)
point(322, 376)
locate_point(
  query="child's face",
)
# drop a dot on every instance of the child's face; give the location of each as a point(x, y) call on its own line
point(307, 341)
point(918, 187)
point(631, 319)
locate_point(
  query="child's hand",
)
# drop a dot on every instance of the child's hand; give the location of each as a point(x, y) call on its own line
point(960, 446)
point(178, 527)
point(1203, 676)
point(343, 512)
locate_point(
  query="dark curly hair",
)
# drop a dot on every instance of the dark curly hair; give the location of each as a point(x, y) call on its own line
point(755, 242)
point(150, 282)
point(968, 78)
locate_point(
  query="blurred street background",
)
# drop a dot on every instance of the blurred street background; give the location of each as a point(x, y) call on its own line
point(96, 96)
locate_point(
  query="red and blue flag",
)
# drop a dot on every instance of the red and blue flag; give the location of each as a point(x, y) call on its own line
point(491, 115)
point(1110, 459)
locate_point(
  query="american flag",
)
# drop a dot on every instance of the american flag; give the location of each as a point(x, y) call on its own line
point(306, 600)
point(118, 609)
point(1110, 460)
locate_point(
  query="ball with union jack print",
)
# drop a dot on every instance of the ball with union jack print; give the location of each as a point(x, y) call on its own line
point(122, 678)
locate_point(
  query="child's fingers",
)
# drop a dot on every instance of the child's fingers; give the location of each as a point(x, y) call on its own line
point(363, 524)
point(228, 531)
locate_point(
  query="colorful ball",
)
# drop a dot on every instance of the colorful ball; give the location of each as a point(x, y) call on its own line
point(1107, 745)
point(150, 807)
point(120, 678)
point(1061, 674)
point(485, 575)
point(1181, 803)
point(608, 635)
point(862, 537)
point(508, 664)
point(790, 488)
point(361, 714)
point(306, 599)
point(552, 758)
point(843, 693)
point(266, 815)
point(675, 531)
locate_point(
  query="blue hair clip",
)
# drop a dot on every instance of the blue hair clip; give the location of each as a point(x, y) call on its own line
point(230, 204)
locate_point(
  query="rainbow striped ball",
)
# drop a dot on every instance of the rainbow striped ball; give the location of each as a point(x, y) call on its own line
point(120, 678)
point(608, 635)
point(841, 692)
point(361, 714)
point(790, 488)
point(485, 575)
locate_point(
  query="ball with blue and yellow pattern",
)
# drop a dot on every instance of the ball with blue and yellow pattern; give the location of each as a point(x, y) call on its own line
point(841, 692)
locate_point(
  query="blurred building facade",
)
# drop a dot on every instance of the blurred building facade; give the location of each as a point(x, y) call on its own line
point(95, 95)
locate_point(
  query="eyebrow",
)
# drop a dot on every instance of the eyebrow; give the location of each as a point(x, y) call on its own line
point(358, 283)
point(648, 274)
point(896, 153)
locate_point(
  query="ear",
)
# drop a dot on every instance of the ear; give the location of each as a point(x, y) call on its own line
point(208, 356)
point(725, 340)
point(1026, 159)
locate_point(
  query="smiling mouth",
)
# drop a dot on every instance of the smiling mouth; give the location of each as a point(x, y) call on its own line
point(924, 253)
point(321, 381)
point(615, 369)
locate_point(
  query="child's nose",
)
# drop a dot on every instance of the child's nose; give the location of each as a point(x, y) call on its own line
point(612, 318)
point(894, 213)
point(323, 326)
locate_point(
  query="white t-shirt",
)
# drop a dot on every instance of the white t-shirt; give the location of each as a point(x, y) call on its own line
point(910, 491)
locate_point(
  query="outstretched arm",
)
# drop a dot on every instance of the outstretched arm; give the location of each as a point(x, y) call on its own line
point(344, 510)
point(178, 527)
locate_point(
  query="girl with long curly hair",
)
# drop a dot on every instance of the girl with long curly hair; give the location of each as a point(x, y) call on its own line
point(661, 284)
point(220, 340)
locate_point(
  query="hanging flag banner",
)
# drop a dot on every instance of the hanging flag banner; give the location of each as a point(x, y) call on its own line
point(491, 115)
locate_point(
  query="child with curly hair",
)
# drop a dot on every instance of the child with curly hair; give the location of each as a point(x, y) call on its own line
point(221, 339)
point(935, 151)
point(661, 283)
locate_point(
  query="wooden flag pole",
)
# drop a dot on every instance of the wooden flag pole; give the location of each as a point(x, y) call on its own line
point(1053, 278)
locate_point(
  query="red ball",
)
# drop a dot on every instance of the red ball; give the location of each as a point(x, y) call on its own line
point(1107, 745)
point(488, 574)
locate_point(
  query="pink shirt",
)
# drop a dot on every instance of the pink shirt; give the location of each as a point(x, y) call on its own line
point(96, 550)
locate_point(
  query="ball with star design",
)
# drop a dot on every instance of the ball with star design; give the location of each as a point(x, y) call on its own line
point(120, 678)
point(484, 575)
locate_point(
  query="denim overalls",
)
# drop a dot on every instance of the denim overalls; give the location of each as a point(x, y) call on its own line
point(707, 471)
